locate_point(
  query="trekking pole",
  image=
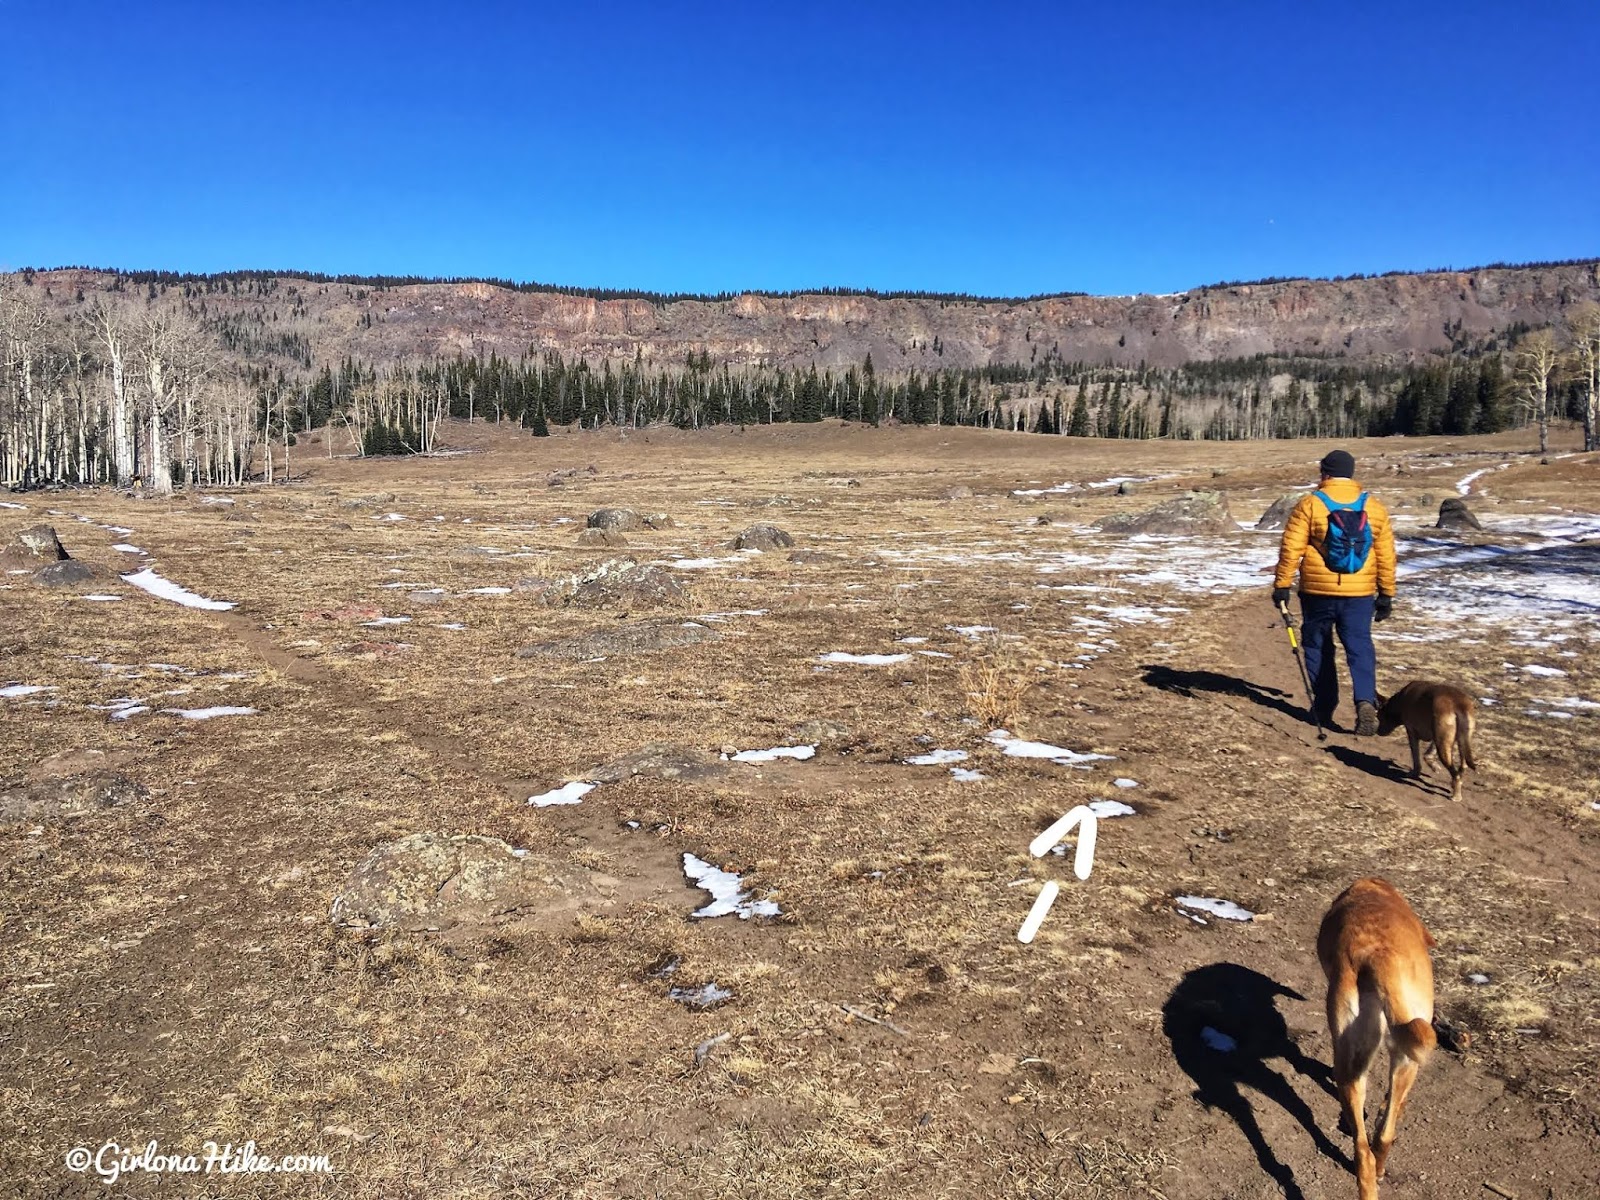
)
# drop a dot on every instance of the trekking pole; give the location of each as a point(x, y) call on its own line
point(1305, 676)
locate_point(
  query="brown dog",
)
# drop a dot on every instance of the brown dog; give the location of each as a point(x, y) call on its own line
point(1374, 952)
point(1434, 712)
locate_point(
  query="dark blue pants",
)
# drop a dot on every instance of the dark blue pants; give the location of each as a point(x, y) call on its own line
point(1351, 617)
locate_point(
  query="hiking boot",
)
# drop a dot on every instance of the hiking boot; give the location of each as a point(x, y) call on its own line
point(1366, 719)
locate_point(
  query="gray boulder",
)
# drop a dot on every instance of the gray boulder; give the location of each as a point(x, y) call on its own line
point(1277, 514)
point(1190, 514)
point(70, 573)
point(762, 536)
point(660, 760)
point(431, 881)
point(617, 520)
point(1454, 514)
point(607, 538)
point(617, 583)
point(32, 548)
point(66, 797)
point(616, 641)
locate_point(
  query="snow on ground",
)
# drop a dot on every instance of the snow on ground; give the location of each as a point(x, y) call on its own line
point(1225, 909)
point(567, 793)
point(728, 897)
point(707, 995)
point(18, 507)
point(1125, 783)
point(488, 591)
point(936, 758)
point(1464, 485)
point(156, 585)
point(799, 753)
point(127, 549)
point(966, 775)
point(206, 714)
point(100, 598)
point(1105, 809)
point(1217, 1040)
point(387, 621)
point(14, 690)
point(1014, 747)
point(866, 660)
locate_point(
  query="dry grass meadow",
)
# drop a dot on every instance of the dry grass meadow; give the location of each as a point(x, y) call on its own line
point(168, 969)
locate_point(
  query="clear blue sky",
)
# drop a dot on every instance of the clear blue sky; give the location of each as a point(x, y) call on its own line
point(997, 148)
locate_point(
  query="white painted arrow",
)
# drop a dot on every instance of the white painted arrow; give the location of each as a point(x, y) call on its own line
point(1036, 915)
point(1081, 818)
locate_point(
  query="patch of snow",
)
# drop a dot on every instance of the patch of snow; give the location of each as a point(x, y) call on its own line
point(1478, 978)
point(205, 714)
point(728, 897)
point(1125, 783)
point(866, 660)
point(147, 580)
point(1544, 672)
point(1111, 808)
point(453, 625)
point(14, 690)
point(1226, 909)
point(127, 549)
point(18, 507)
point(389, 517)
point(488, 591)
point(387, 621)
point(967, 775)
point(1216, 1040)
point(132, 710)
point(567, 793)
point(936, 758)
point(934, 654)
point(799, 753)
point(1020, 748)
point(972, 631)
point(708, 995)
point(100, 598)
point(911, 641)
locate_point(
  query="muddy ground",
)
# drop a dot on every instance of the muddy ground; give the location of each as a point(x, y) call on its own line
point(169, 972)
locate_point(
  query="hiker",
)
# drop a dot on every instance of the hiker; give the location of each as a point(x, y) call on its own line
point(1340, 542)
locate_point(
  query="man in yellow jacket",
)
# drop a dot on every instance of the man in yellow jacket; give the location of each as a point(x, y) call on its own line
point(1341, 543)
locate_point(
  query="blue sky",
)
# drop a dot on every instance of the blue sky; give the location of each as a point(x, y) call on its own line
point(994, 148)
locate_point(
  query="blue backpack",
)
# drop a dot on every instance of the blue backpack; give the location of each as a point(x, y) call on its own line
point(1349, 540)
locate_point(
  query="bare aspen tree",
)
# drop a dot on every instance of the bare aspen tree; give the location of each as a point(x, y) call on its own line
point(1584, 324)
point(113, 325)
point(1537, 364)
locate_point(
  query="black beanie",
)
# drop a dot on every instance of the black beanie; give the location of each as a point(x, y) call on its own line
point(1338, 464)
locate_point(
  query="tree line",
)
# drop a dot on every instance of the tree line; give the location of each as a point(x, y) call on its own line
point(152, 385)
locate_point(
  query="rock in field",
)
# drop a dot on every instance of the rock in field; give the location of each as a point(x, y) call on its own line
point(32, 548)
point(1189, 514)
point(660, 760)
point(617, 583)
point(1277, 514)
point(66, 797)
point(1454, 514)
point(430, 881)
point(69, 573)
point(609, 538)
point(618, 520)
point(762, 536)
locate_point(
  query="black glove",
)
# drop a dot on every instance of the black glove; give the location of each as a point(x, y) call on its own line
point(1280, 597)
point(1383, 608)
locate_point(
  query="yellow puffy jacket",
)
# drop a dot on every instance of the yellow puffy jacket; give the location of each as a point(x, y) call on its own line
point(1306, 532)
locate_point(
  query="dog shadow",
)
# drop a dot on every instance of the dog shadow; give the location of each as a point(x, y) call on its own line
point(1386, 769)
point(1223, 1023)
point(1192, 683)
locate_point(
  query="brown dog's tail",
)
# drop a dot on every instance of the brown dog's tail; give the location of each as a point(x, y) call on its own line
point(1415, 1040)
point(1464, 725)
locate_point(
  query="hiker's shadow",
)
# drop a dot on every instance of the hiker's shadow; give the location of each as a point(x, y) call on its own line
point(1237, 1005)
point(1189, 683)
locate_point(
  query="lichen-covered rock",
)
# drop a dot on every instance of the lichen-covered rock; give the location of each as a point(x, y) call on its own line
point(762, 536)
point(65, 797)
point(1454, 514)
point(618, 520)
point(70, 572)
point(616, 583)
point(1189, 514)
point(658, 521)
point(660, 760)
point(431, 881)
point(606, 538)
point(959, 492)
point(616, 641)
point(32, 548)
point(1277, 514)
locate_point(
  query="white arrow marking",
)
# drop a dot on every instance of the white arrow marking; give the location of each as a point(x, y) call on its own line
point(1087, 824)
point(1036, 915)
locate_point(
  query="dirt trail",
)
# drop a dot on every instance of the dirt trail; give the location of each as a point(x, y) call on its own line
point(1498, 828)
